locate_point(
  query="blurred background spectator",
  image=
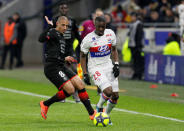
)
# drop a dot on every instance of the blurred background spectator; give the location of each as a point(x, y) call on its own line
point(10, 42)
point(119, 14)
point(21, 29)
point(109, 24)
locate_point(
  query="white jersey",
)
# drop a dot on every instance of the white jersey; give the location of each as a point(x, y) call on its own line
point(181, 14)
point(99, 48)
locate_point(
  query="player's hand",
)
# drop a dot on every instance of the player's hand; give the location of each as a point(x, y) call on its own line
point(48, 21)
point(70, 59)
point(116, 70)
point(87, 79)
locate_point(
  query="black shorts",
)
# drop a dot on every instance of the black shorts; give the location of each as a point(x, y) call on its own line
point(59, 75)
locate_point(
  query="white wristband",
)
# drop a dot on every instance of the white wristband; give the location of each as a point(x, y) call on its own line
point(116, 62)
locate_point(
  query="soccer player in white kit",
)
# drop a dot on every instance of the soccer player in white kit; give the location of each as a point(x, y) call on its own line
point(181, 23)
point(99, 45)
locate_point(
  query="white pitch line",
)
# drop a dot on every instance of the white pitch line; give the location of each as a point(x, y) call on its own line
point(116, 109)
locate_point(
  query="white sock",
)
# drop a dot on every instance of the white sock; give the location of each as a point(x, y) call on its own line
point(110, 106)
point(102, 100)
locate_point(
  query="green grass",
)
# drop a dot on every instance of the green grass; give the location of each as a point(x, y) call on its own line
point(21, 112)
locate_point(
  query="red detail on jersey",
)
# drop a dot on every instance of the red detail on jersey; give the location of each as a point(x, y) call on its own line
point(108, 35)
point(83, 95)
point(105, 97)
point(95, 49)
point(48, 37)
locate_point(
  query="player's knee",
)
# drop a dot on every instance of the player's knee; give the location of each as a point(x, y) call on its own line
point(108, 91)
point(71, 91)
point(78, 83)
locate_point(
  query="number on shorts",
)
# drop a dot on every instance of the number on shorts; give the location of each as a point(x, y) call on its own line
point(96, 75)
point(61, 74)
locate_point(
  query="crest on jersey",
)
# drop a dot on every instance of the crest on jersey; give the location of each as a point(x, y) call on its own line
point(103, 48)
point(93, 39)
point(109, 41)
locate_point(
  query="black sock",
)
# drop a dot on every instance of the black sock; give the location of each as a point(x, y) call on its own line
point(51, 100)
point(83, 95)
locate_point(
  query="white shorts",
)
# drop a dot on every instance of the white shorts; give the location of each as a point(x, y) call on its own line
point(103, 77)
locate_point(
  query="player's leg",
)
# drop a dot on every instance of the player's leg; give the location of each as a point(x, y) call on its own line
point(106, 94)
point(75, 95)
point(112, 102)
point(67, 90)
point(114, 95)
point(83, 95)
point(58, 77)
point(100, 79)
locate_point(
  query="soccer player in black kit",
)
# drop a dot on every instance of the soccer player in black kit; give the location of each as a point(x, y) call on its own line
point(70, 34)
point(56, 71)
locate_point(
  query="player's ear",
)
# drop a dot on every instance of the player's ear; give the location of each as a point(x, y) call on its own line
point(57, 23)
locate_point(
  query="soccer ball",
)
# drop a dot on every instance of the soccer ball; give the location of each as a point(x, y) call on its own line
point(101, 119)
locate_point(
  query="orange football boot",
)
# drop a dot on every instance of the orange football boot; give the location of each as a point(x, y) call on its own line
point(44, 110)
point(93, 116)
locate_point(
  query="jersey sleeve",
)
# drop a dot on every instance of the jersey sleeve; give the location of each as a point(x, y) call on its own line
point(113, 38)
point(85, 45)
point(44, 35)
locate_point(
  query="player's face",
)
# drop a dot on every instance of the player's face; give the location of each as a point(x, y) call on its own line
point(62, 25)
point(63, 9)
point(134, 18)
point(100, 27)
point(15, 17)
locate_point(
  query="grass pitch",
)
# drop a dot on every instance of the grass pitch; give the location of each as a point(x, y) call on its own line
point(21, 112)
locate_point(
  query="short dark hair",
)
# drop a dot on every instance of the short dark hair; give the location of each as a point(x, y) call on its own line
point(17, 13)
point(63, 3)
point(100, 19)
point(10, 18)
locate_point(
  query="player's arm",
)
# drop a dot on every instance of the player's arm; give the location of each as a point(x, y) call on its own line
point(116, 61)
point(84, 68)
point(83, 62)
point(83, 54)
point(115, 56)
point(43, 36)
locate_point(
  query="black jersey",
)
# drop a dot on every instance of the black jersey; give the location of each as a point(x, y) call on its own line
point(55, 45)
point(70, 34)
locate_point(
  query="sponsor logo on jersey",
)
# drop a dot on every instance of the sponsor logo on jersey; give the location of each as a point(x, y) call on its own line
point(100, 51)
point(103, 48)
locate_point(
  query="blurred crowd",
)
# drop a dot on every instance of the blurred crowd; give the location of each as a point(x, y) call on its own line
point(151, 11)
point(14, 33)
